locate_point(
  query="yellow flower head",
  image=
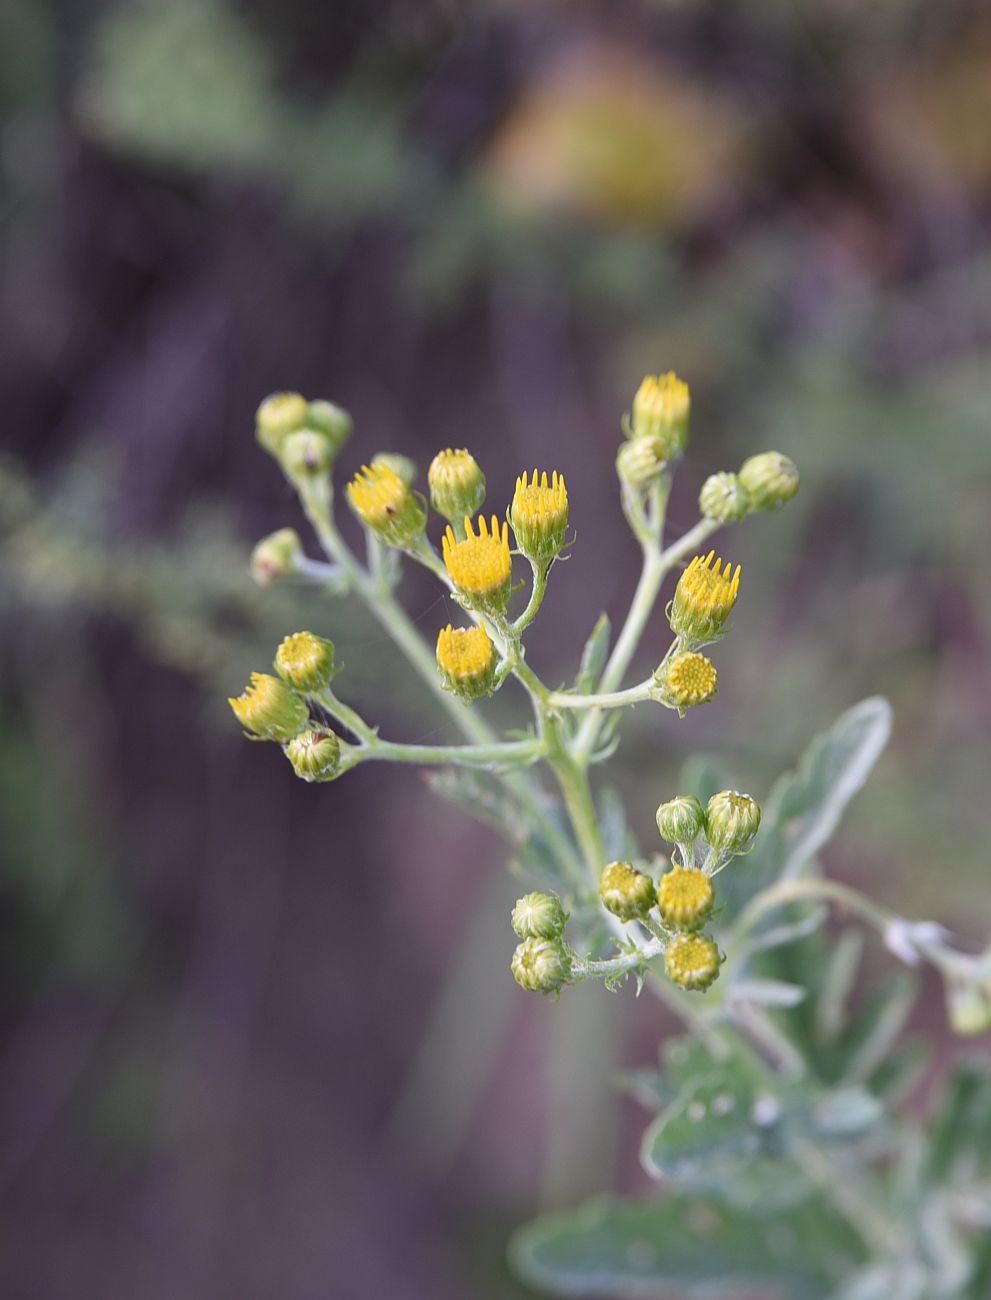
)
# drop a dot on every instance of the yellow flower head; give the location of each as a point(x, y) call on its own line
point(626, 892)
point(457, 484)
point(269, 709)
point(661, 409)
point(383, 502)
point(690, 679)
point(480, 567)
point(305, 661)
point(466, 659)
point(685, 898)
point(692, 961)
point(704, 599)
point(541, 965)
point(539, 515)
point(315, 755)
point(279, 415)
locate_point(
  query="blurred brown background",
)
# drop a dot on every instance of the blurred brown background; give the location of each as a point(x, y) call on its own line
point(260, 1038)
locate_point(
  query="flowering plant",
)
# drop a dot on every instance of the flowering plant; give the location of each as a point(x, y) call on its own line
point(776, 1125)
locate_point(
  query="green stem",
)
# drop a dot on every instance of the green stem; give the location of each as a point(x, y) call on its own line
point(613, 700)
point(484, 756)
point(537, 591)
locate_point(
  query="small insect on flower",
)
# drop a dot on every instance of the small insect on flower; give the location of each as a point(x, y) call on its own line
point(466, 659)
point(689, 679)
point(661, 409)
point(541, 965)
point(685, 898)
point(539, 515)
point(305, 661)
point(457, 484)
point(315, 755)
point(692, 961)
point(703, 599)
point(481, 566)
point(269, 709)
point(384, 503)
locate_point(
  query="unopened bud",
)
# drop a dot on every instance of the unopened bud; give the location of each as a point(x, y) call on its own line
point(457, 485)
point(640, 461)
point(539, 916)
point(330, 420)
point(305, 661)
point(724, 498)
point(315, 755)
point(539, 516)
point(968, 1006)
point(732, 821)
point(276, 556)
point(626, 892)
point(279, 415)
point(541, 965)
point(770, 478)
point(306, 454)
point(681, 820)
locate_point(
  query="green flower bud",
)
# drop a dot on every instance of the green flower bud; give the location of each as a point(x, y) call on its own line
point(305, 661)
point(625, 892)
point(539, 516)
point(685, 898)
point(724, 498)
point(732, 821)
point(269, 709)
point(457, 485)
point(770, 478)
point(315, 755)
point(279, 415)
point(661, 409)
point(541, 965)
point(692, 961)
point(401, 466)
point(968, 1006)
point(306, 453)
point(681, 820)
point(276, 556)
point(539, 916)
point(330, 420)
point(642, 460)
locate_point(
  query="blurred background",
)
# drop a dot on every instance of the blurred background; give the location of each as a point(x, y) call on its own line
point(259, 1038)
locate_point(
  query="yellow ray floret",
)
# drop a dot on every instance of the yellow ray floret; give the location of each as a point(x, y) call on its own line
point(539, 514)
point(480, 566)
point(386, 505)
point(663, 395)
point(464, 653)
point(377, 493)
point(704, 597)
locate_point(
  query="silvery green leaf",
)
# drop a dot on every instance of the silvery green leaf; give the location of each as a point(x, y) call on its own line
point(594, 656)
point(841, 970)
point(788, 931)
point(766, 992)
point(710, 1120)
point(878, 1024)
point(845, 1113)
point(616, 838)
point(682, 1246)
point(805, 806)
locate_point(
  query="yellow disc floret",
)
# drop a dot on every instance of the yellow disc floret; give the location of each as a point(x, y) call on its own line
point(383, 502)
point(692, 961)
point(690, 679)
point(539, 515)
point(480, 567)
point(305, 661)
point(269, 709)
point(704, 598)
point(661, 409)
point(466, 659)
point(685, 898)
